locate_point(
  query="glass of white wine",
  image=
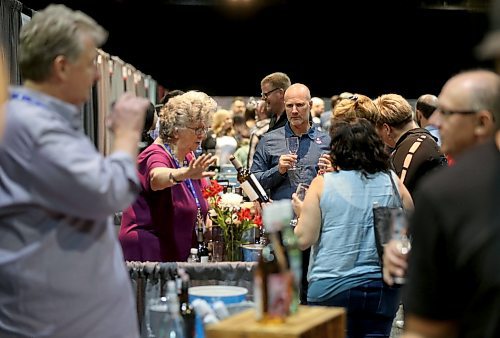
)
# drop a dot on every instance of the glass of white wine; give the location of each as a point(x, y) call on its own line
point(401, 236)
point(292, 144)
point(301, 194)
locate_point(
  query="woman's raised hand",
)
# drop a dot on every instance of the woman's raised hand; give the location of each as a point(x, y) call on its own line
point(197, 168)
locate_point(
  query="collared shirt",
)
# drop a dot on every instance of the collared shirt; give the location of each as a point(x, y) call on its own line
point(269, 149)
point(325, 120)
point(434, 132)
point(62, 272)
point(278, 122)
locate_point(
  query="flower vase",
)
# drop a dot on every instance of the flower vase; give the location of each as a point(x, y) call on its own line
point(233, 250)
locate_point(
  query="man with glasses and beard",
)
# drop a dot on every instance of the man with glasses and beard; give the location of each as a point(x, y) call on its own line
point(273, 88)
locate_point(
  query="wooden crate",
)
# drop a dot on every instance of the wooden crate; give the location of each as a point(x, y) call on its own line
point(308, 322)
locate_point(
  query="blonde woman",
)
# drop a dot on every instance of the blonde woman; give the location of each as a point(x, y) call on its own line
point(226, 143)
point(415, 151)
point(356, 105)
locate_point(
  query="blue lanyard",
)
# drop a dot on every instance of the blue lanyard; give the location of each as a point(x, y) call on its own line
point(189, 182)
point(29, 99)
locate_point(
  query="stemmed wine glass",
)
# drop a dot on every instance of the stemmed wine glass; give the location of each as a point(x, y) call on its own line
point(400, 234)
point(292, 143)
point(301, 194)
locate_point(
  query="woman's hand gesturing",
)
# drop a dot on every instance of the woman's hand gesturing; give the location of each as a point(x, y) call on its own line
point(197, 168)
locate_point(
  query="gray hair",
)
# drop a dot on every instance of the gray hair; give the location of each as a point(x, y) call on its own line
point(56, 30)
point(181, 110)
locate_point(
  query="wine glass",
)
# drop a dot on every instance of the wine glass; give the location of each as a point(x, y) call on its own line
point(400, 235)
point(301, 194)
point(156, 311)
point(292, 143)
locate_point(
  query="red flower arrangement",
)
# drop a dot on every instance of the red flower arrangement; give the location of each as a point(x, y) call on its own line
point(227, 211)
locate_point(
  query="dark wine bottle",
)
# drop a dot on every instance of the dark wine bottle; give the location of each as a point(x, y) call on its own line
point(249, 183)
point(186, 309)
point(202, 247)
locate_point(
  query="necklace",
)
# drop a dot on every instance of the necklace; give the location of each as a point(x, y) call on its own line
point(172, 153)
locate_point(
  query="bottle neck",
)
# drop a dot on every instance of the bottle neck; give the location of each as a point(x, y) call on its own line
point(184, 296)
point(200, 236)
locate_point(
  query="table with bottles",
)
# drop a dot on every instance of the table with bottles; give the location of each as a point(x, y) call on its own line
point(276, 276)
point(149, 279)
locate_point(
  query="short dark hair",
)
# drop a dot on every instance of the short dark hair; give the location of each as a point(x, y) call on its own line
point(169, 95)
point(356, 145)
point(426, 108)
point(150, 117)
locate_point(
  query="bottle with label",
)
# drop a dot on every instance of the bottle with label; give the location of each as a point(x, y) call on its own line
point(202, 247)
point(272, 286)
point(249, 183)
point(273, 280)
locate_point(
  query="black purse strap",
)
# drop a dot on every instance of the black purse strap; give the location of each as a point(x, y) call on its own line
point(396, 191)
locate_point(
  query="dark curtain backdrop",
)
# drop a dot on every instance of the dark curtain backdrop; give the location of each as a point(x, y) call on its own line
point(10, 25)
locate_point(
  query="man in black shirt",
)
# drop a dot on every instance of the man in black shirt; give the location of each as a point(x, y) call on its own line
point(453, 275)
point(273, 88)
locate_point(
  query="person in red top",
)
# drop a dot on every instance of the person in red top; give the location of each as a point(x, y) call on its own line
point(160, 225)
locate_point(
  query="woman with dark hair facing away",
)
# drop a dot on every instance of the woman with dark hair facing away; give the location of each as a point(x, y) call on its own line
point(148, 136)
point(336, 220)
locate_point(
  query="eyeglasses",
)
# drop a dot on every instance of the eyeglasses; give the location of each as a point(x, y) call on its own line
point(199, 131)
point(446, 112)
point(266, 94)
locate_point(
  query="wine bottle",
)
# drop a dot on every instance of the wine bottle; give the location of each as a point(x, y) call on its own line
point(273, 284)
point(202, 247)
point(273, 280)
point(249, 183)
point(294, 255)
point(186, 309)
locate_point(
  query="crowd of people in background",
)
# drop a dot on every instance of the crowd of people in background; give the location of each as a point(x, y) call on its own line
point(57, 191)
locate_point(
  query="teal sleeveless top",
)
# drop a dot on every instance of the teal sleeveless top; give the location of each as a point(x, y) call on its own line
point(345, 255)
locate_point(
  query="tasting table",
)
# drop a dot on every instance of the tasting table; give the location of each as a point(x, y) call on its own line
point(149, 279)
point(308, 322)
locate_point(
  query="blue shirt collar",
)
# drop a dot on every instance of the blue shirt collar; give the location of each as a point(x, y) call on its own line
point(312, 133)
point(68, 111)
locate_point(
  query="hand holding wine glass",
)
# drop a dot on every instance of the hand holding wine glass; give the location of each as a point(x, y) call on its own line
point(401, 237)
point(292, 144)
point(325, 163)
point(300, 194)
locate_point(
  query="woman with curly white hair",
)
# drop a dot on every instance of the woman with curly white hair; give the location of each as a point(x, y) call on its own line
point(160, 225)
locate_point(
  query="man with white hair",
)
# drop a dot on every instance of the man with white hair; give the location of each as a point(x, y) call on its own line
point(62, 272)
point(317, 108)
